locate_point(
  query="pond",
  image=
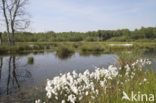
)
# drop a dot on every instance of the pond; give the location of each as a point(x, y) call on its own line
point(17, 76)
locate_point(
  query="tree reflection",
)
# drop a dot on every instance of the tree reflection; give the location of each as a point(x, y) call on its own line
point(12, 65)
point(12, 75)
point(14, 72)
point(8, 81)
point(1, 64)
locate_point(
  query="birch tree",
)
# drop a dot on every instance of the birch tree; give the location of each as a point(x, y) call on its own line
point(15, 17)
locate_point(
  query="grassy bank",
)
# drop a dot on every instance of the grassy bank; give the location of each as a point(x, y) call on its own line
point(83, 47)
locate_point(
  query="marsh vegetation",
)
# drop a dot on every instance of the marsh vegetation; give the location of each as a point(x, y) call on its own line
point(63, 57)
point(110, 66)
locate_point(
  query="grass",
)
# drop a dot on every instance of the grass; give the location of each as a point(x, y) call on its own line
point(64, 52)
point(30, 60)
point(114, 94)
point(91, 48)
point(128, 57)
point(137, 84)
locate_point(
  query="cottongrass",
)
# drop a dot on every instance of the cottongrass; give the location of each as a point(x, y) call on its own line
point(88, 86)
point(75, 86)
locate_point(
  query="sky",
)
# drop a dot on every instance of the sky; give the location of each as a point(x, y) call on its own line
point(90, 15)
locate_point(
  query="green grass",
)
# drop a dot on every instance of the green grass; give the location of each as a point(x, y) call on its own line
point(91, 48)
point(64, 52)
point(114, 94)
point(128, 57)
point(30, 60)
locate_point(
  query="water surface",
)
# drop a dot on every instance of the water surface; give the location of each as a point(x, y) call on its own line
point(16, 73)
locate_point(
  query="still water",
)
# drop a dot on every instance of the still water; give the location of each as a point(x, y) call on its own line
point(16, 73)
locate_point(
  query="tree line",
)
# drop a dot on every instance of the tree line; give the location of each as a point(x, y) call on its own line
point(16, 19)
point(100, 35)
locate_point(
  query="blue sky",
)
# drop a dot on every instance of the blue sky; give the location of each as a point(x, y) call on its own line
point(89, 15)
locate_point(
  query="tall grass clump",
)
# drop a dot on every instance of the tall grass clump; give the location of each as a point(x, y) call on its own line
point(64, 52)
point(30, 60)
point(128, 57)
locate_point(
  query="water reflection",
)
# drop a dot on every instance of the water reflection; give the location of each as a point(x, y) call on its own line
point(12, 65)
point(10, 80)
point(64, 56)
point(1, 64)
point(17, 77)
point(97, 54)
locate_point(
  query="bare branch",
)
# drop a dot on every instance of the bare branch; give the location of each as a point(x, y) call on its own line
point(15, 16)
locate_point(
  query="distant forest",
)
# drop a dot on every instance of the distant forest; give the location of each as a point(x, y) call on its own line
point(143, 34)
